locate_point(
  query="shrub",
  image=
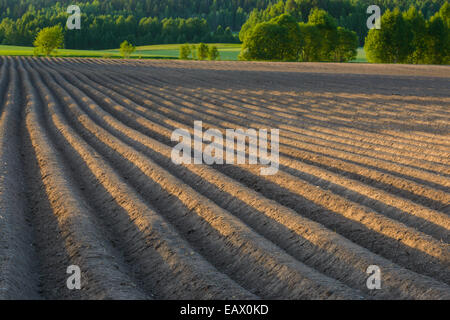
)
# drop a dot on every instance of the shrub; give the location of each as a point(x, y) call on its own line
point(202, 51)
point(185, 52)
point(126, 49)
point(213, 53)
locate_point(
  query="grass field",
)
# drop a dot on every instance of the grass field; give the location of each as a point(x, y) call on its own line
point(166, 51)
point(28, 51)
point(228, 51)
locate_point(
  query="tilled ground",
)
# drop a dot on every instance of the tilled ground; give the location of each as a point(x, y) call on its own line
point(86, 179)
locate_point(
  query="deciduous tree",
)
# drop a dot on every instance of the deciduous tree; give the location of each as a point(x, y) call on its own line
point(202, 51)
point(185, 51)
point(49, 39)
point(393, 42)
point(213, 53)
point(126, 49)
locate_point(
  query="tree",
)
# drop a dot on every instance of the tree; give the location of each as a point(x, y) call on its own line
point(202, 51)
point(185, 52)
point(327, 27)
point(347, 46)
point(444, 13)
point(213, 53)
point(393, 42)
point(293, 47)
point(126, 49)
point(438, 47)
point(49, 39)
point(254, 18)
point(267, 41)
point(312, 42)
point(194, 52)
point(278, 39)
point(417, 24)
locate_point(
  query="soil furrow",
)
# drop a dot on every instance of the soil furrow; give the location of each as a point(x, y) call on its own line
point(229, 243)
point(411, 207)
point(72, 219)
point(18, 270)
point(108, 101)
point(159, 257)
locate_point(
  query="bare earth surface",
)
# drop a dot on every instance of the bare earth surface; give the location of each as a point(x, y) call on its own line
point(86, 179)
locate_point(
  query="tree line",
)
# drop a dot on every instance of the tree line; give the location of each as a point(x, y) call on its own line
point(200, 52)
point(228, 13)
point(106, 24)
point(279, 32)
point(284, 38)
point(349, 14)
point(107, 31)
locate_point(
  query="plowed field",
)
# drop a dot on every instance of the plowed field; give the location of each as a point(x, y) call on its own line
point(86, 179)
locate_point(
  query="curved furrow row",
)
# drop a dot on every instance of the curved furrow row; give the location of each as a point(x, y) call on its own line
point(203, 81)
point(348, 118)
point(77, 230)
point(273, 80)
point(303, 135)
point(323, 120)
point(391, 229)
point(17, 257)
point(270, 219)
point(368, 158)
point(396, 168)
point(159, 258)
point(137, 72)
point(349, 105)
point(326, 132)
point(224, 240)
point(312, 156)
point(362, 180)
point(178, 113)
point(429, 220)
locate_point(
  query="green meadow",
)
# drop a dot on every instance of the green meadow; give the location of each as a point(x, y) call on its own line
point(228, 51)
point(165, 51)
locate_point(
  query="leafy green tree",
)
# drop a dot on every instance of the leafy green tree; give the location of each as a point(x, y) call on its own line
point(254, 18)
point(291, 8)
point(202, 51)
point(444, 13)
point(49, 39)
point(267, 41)
point(108, 23)
point(185, 52)
point(294, 46)
point(347, 46)
point(312, 42)
point(438, 46)
point(126, 49)
point(194, 51)
point(327, 27)
point(273, 10)
point(213, 53)
point(417, 24)
point(393, 42)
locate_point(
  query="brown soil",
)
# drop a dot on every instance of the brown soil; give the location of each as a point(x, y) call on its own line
point(86, 179)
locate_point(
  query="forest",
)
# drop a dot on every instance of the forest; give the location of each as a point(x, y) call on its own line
point(106, 24)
